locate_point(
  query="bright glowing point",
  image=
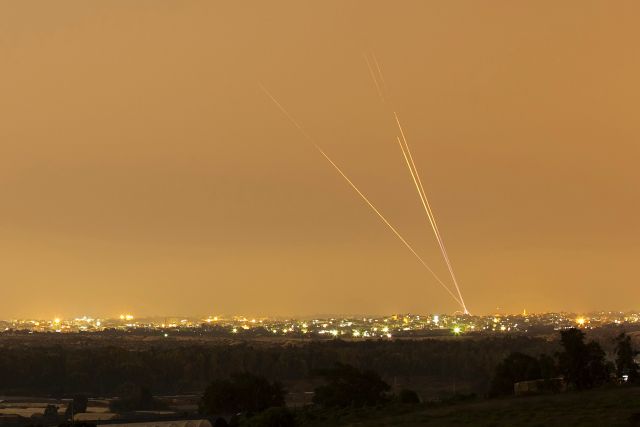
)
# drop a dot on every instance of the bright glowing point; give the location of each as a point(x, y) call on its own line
point(580, 321)
point(457, 330)
point(56, 321)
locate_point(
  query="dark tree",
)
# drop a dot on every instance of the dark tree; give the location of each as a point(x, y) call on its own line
point(135, 398)
point(582, 364)
point(548, 367)
point(625, 359)
point(515, 367)
point(348, 386)
point(101, 368)
point(408, 396)
point(241, 393)
point(272, 417)
point(76, 406)
point(51, 411)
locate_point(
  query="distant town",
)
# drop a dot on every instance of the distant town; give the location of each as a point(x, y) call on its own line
point(384, 327)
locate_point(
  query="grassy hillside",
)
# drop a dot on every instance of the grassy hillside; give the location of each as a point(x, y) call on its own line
point(604, 407)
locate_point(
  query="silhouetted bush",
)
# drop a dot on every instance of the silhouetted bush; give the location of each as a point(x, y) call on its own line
point(77, 405)
point(459, 397)
point(516, 367)
point(272, 417)
point(135, 398)
point(50, 411)
point(81, 424)
point(241, 393)
point(348, 386)
point(408, 396)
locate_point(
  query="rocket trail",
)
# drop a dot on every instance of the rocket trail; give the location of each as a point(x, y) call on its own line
point(373, 77)
point(421, 194)
point(427, 207)
point(375, 61)
point(406, 152)
point(391, 227)
point(357, 190)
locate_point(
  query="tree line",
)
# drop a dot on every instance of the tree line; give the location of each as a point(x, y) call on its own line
point(173, 368)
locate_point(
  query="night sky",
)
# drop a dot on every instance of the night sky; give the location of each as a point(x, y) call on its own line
point(143, 170)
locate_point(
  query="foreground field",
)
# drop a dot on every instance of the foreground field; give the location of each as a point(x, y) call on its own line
point(604, 407)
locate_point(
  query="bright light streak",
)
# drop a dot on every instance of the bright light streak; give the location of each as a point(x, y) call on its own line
point(357, 190)
point(416, 177)
point(375, 61)
point(373, 77)
point(427, 206)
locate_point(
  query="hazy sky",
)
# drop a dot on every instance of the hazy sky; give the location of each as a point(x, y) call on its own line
point(142, 169)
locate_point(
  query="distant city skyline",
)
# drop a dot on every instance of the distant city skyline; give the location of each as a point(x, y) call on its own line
point(347, 327)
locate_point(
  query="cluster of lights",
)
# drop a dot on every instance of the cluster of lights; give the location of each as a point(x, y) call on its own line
point(346, 328)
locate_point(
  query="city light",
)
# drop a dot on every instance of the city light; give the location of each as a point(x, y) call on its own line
point(359, 328)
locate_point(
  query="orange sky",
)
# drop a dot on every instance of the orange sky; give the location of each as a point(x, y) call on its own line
point(142, 169)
